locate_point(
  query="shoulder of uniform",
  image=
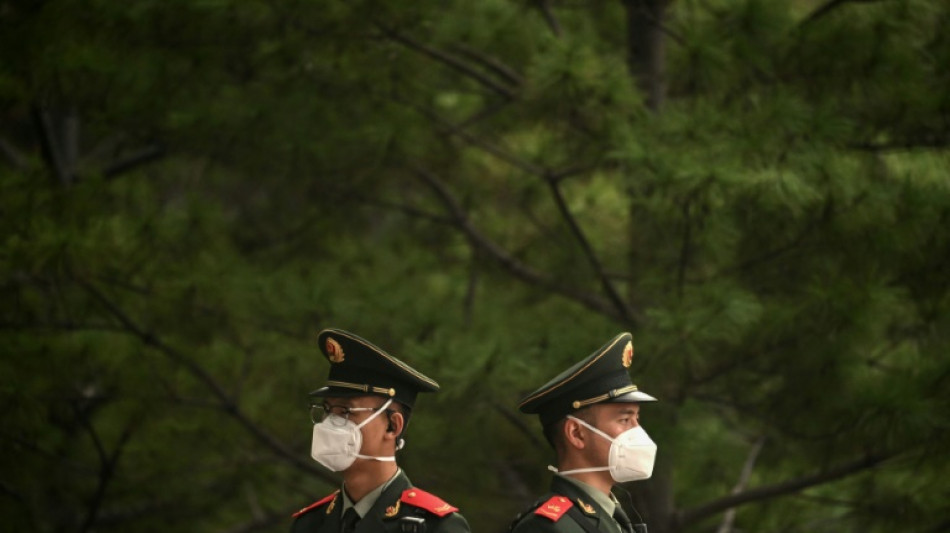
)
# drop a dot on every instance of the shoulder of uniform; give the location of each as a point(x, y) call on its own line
point(554, 508)
point(319, 503)
point(428, 501)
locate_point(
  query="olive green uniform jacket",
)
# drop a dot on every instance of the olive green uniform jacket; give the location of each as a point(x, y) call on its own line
point(401, 508)
point(566, 509)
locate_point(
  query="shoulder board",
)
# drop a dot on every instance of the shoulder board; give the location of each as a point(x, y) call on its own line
point(554, 508)
point(316, 504)
point(427, 501)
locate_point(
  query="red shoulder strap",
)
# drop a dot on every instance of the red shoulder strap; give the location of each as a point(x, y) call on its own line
point(554, 508)
point(316, 504)
point(429, 502)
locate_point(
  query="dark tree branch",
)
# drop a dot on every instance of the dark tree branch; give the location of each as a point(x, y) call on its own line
point(936, 142)
point(696, 514)
point(744, 475)
point(449, 60)
point(404, 209)
point(144, 156)
point(468, 303)
point(830, 6)
point(500, 153)
point(501, 256)
point(107, 467)
point(621, 307)
point(493, 64)
point(482, 114)
point(13, 156)
point(518, 422)
point(227, 404)
point(49, 145)
point(545, 7)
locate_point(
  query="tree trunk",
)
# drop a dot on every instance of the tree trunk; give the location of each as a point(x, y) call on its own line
point(646, 48)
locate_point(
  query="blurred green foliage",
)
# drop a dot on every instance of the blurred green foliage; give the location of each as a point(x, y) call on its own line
point(191, 190)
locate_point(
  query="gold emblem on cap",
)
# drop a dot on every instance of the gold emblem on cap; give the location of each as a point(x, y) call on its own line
point(334, 351)
point(392, 510)
point(628, 354)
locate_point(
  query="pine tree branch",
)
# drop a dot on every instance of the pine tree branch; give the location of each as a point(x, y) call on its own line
point(545, 7)
point(491, 63)
point(227, 404)
point(108, 464)
point(730, 517)
point(49, 145)
point(518, 422)
point(137, 159)
point(826, 8)
point(502, 257)
point(697, 514)
point(13, 156)
point(621, 307)
point(500, 153)
point(934, 142)
point(448, 60)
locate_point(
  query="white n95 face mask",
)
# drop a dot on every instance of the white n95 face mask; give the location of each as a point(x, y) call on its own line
point(631, 456)
point(337, 441)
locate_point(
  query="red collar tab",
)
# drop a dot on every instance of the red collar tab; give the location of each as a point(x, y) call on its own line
point(316, 504)
point(427, 501)
point(554, 508)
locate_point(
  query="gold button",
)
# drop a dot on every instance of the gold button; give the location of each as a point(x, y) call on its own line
point(392, 392)
point(563, 499)
point(412, 494)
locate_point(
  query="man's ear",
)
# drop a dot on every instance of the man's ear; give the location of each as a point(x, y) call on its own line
point(395, 423)
point(574, 434)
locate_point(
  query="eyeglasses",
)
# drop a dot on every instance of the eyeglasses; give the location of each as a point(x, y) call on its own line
point(319, 412)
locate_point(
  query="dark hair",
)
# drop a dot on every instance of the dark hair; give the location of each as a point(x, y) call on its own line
point(554, 432)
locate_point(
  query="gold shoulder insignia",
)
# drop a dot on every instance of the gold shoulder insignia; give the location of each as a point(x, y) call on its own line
point(586, 507)
point(392, 510)
point(331, 506)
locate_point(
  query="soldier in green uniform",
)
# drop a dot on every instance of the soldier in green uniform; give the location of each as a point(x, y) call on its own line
point(590, 415)
point(359, 419)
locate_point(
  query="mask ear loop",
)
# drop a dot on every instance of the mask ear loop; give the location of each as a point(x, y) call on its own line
point(583, 470)
point(390, 458)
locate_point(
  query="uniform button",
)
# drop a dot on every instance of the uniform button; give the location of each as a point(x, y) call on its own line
point(412, 494)
point(563, 499)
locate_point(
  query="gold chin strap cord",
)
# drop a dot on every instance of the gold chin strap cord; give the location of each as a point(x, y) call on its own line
point(612, 394)
point(364, 388)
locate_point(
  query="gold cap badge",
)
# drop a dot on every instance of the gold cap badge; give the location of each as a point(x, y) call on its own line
point(334, 351)
point(627, 354)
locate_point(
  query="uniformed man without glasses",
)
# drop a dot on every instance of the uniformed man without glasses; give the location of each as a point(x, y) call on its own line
point(359, 419)
point(590, 415)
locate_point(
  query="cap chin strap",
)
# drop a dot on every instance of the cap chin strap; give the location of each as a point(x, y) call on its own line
point(385, 459)
point(584, 470)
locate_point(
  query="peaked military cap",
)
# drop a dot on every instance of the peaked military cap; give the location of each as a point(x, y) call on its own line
point(602, 377)
point(358, 368)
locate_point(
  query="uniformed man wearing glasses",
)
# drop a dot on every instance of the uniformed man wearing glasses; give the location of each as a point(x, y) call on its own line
point(359, 419)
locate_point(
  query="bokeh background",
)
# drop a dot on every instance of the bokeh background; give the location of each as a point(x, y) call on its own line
point(759, 190)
